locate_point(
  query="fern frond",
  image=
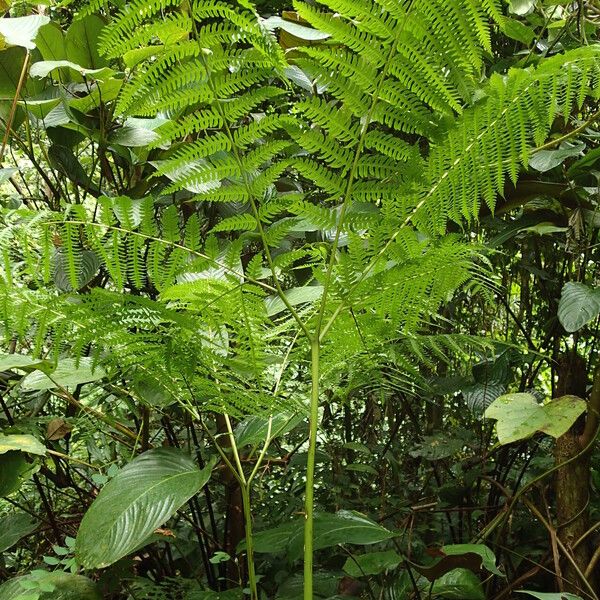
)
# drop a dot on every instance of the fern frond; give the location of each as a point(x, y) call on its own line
point(503, 129)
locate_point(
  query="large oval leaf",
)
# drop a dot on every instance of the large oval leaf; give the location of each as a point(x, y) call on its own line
point(343, 527)
point(68, 373)
point(519, 416)
point(578, 305)
point(140, 498)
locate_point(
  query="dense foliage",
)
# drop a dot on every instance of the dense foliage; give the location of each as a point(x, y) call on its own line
point(299, 299)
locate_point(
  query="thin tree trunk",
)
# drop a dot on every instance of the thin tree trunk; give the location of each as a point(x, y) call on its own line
point(572, 482)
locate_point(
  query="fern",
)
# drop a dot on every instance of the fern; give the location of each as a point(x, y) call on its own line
point(494, 139)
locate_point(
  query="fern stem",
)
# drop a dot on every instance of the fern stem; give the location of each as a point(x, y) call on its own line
point(315, 348)
point(249, 542)
point(352, 177)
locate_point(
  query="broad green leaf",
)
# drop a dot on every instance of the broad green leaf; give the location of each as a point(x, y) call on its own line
point(544, 160)
point(134, 137)
point(13, 527)
point(545, 228)
point(23, 443)
point(488, 560)
point(86, 270)
point(325, 585)
point(100, 92)
point(50, 41)
point(458, 584)
point(372, 563)
point(295, 296)
point(578, 305)
point(19, 361)
point(343, 527)
point(519, 416)
point(51, 586)
point(517, 30)
point(6, 173)
point(480, 395)
point(39, 108)
point(11, 63)
point(66, 374)
point(22, 31)
point(137, 500)
point(14, 471)
point(81, 42)
point(550, 595)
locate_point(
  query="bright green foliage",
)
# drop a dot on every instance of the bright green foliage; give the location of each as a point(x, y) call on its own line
point(494, 139)
point(241, 220)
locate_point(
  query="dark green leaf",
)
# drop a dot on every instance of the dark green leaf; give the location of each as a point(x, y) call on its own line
point(50, 41)
point(578, 305)
point(459, 584)
point(140, 498)
point(544, 160)
point(81, 42)
point(14, 471)
point(13, 527)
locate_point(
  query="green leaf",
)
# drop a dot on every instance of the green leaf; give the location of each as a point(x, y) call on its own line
point(579, 304)
point(66, 374)
point(253, 430)
point(519, 416)
point(14, 471)
point(22, 31)
point(544, 160)
point(86, 270)
point(373, 563)
point(480, 395)
point(343, 527)
point(81, 42)
point(295, 296)
point(488, 559)
point(458, 584)
point(137, 500)
point(517, 31)
point(59, 586)
point(134, 137)
point(584, 164)
point(43, 68)
point(23, 443)
point(50, 41)
point(11, 63)
point(13, 527)
point(19, 361)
